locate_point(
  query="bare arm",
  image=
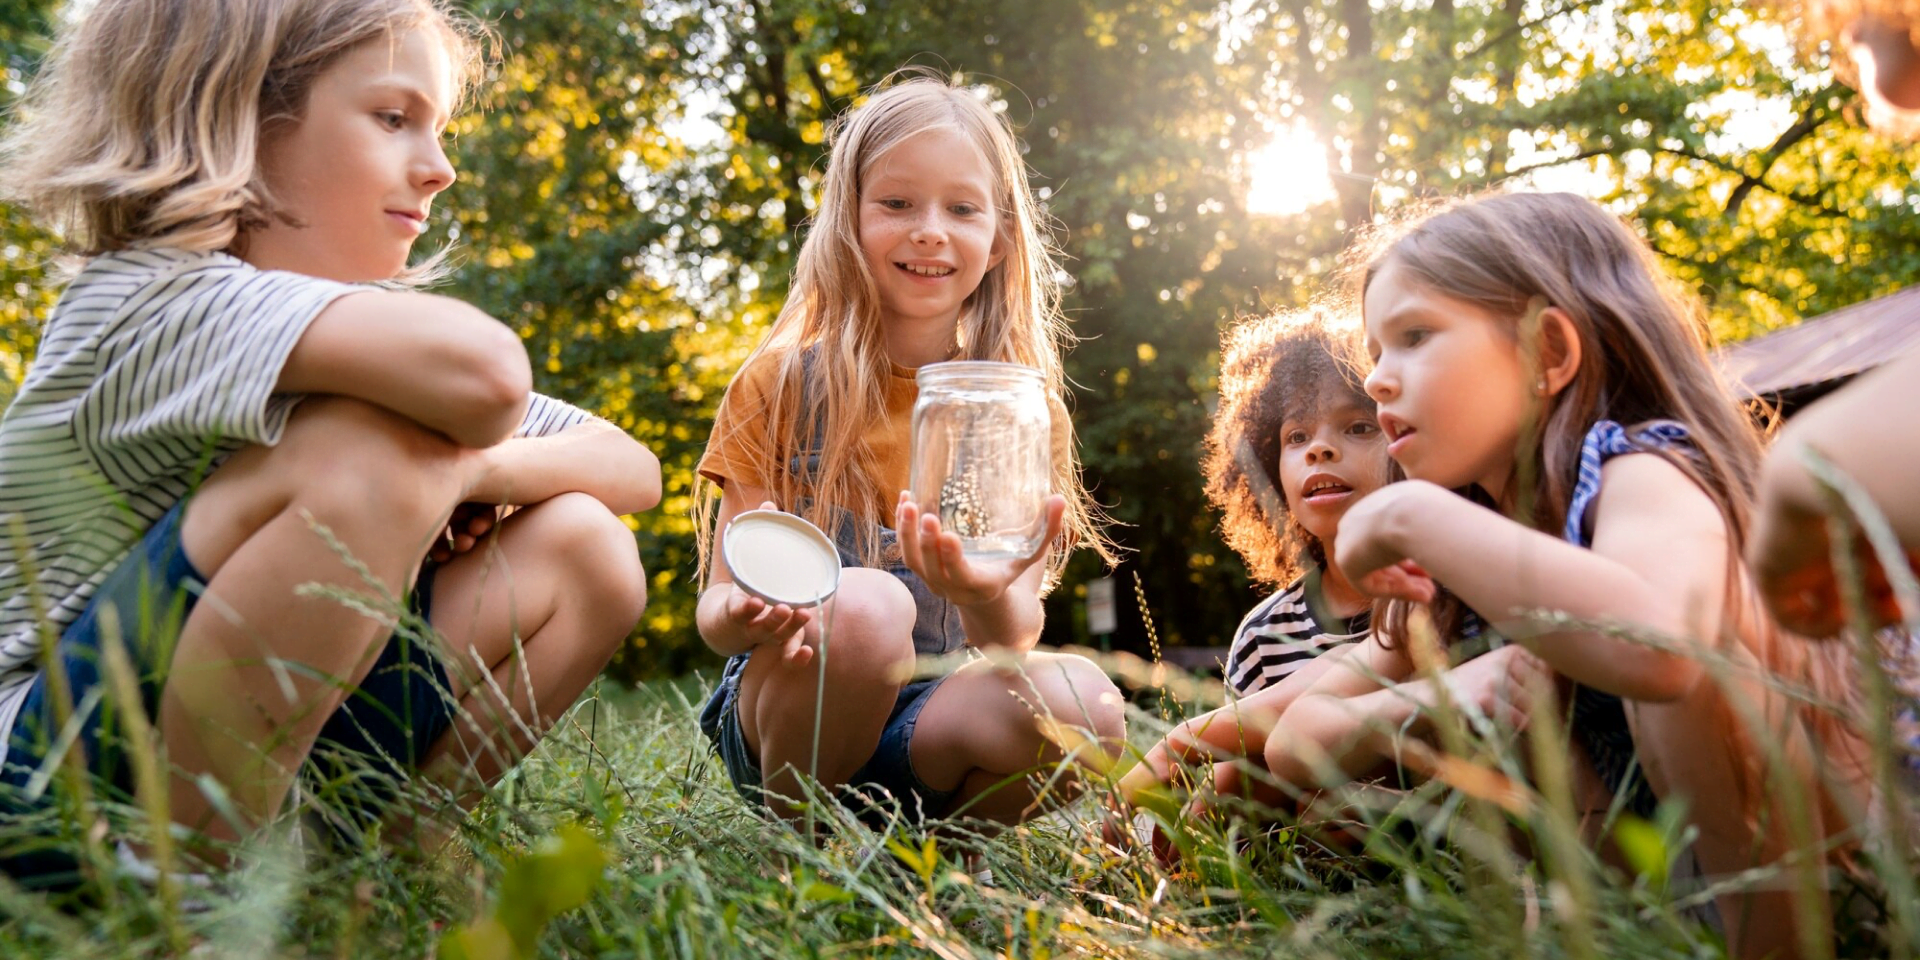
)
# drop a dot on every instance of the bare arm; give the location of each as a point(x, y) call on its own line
point(595, 458)
point(1351, 724)
point(1238, 729)
point(1659, 563)
point(1869, 433)
point(434, 360)
point(732, 621)
point(1332, 721)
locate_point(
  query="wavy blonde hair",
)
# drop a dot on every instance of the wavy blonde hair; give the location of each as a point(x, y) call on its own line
point(144, 127)
point(834, 309)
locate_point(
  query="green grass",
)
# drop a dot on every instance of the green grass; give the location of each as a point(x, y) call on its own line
point(681, 867)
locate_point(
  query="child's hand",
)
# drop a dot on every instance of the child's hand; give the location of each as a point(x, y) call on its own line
point(1500, 684)
point(1365, 550)
point(760, 623)
point(470, 522)
point(936, 557)
point(1792, 562)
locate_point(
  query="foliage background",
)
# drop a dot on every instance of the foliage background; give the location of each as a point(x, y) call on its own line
point(633, 190)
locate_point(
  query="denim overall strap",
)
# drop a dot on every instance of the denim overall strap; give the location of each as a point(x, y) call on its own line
point(936, 623)
point(1599, 719)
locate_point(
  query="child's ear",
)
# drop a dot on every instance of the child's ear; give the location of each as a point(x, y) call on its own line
point(998, 251)
point(1559, 351)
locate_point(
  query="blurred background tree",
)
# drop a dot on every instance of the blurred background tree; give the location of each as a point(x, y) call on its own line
point(636, 180)
point(27, 252)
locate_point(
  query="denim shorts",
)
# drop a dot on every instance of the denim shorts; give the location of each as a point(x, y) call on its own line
point(884, 783)
point(380, 733)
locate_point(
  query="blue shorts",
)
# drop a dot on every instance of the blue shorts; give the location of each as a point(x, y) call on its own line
point(381, 733)
point(885, 782)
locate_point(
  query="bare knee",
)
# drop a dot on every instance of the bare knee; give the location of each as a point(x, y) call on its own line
point(868, 628)
point(598, 555)
point(1074, 690)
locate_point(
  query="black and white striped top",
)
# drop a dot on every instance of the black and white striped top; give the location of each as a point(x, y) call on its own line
point(1283, 633)
point(153, 362)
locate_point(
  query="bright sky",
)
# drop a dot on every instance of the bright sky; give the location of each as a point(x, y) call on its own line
point(1290, 175)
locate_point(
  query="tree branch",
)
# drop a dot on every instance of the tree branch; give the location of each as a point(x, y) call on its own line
point(811, 67)
point(1811, 202)
point(1811, 118)
point(1512, 172)
point(1515, 30)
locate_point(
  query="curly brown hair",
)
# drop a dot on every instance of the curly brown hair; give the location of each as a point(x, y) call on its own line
point(1292, 364)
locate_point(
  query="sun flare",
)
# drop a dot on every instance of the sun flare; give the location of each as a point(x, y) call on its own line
point(1288, 175)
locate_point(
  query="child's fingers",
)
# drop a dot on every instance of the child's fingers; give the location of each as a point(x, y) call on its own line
point(795, 651)
point(1056, 522)
point(1396, 583)
point(1056, 508)
point(744, 607)
point(906, 522)
point(952, 557)
point(922, 530)
point(1415, 581)
point(480, 524)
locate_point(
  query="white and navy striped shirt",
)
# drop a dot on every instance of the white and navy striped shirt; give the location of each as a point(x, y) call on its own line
point(154, 364)
point(1282, 634)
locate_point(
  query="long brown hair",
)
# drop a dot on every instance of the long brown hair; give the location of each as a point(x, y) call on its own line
point(833, 309)
point(1643, 345)
point(144, 127)
point(1643, 357)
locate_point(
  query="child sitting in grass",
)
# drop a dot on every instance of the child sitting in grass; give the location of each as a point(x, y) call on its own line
point(231, 376)
point(1293, 446)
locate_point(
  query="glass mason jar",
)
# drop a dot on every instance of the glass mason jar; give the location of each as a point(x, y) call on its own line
point(982, 455)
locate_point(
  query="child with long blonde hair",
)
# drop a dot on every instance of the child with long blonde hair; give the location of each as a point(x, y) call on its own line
point(1570, 450)
point(222, 377)
point(927, 246)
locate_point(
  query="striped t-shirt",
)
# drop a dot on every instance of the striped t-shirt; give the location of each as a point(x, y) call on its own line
point(154, 365)
point(1284, 632)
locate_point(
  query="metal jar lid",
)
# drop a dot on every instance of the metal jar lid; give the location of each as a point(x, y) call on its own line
point(781, 558)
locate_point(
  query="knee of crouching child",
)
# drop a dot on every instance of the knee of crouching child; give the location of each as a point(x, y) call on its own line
point(601, 552)
point(1078, 692)
point(352, 460)
point(871, 618)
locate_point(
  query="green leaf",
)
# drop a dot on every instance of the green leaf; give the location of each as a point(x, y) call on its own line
point(1645, 848)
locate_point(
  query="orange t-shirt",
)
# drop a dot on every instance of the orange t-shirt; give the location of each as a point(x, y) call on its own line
point(735, 450)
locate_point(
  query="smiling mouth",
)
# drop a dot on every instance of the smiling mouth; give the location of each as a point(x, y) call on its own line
point(920, 270)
